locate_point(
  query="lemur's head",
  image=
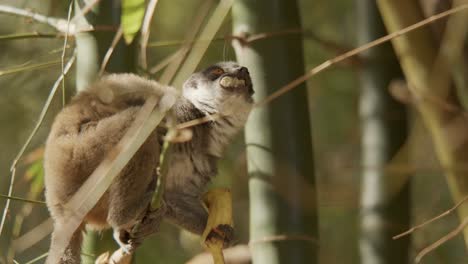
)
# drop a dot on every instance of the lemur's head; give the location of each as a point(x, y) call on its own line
point(224, 88)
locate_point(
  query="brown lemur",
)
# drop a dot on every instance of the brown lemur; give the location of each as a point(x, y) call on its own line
point(97, 118)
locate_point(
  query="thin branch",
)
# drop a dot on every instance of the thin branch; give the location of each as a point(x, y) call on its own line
point(442, 240)
point(198, 121)
point(59, 24)
point(449, 211)
point(14, 198)
point(260, 36)
point(29, 35)
point(327, 64)
point(145, 32)
point(111, 49)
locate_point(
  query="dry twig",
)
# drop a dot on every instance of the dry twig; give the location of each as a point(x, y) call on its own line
point(449, 211)
point(60, 24)
point(14, 198)
point(442, 240)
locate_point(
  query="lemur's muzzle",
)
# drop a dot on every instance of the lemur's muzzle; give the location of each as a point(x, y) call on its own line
point(239, 81)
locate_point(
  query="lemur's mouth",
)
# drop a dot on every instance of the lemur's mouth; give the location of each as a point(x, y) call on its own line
point(231, 82)
point(240, 82)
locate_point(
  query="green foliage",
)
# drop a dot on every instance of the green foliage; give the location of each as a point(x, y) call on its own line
point(133, 12)
point(35, 173)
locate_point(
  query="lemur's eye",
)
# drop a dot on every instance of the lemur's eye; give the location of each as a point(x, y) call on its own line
point(217, 71)
point(213, 72)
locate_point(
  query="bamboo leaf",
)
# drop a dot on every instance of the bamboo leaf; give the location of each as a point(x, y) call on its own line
point(133, 12)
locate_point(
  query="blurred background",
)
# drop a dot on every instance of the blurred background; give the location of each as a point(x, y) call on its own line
point(363, 151)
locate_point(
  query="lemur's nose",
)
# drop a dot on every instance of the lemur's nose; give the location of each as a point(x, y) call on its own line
point(243, 72)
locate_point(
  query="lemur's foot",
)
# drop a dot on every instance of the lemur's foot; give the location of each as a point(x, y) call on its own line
point(122, 237)
point(148, 225)
point(219, 228)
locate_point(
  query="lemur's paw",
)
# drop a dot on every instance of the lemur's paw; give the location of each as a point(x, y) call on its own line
point(148, 225)
point(122, 237)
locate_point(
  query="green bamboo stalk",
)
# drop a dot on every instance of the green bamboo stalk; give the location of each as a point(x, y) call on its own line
point(283, 219)
point(86, 72)
point(86, 46)
point(384, 210)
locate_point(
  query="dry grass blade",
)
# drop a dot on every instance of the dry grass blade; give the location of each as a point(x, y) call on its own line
point(7, 204)
point(145, 32)
point(33, 236)
point(199, 47)
point(45, 109)
point(65, 42)
point(38, 258)
point(28, 141)
point(171, 70)
point(109, 52)
point(450, 54)
point(166, 61)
